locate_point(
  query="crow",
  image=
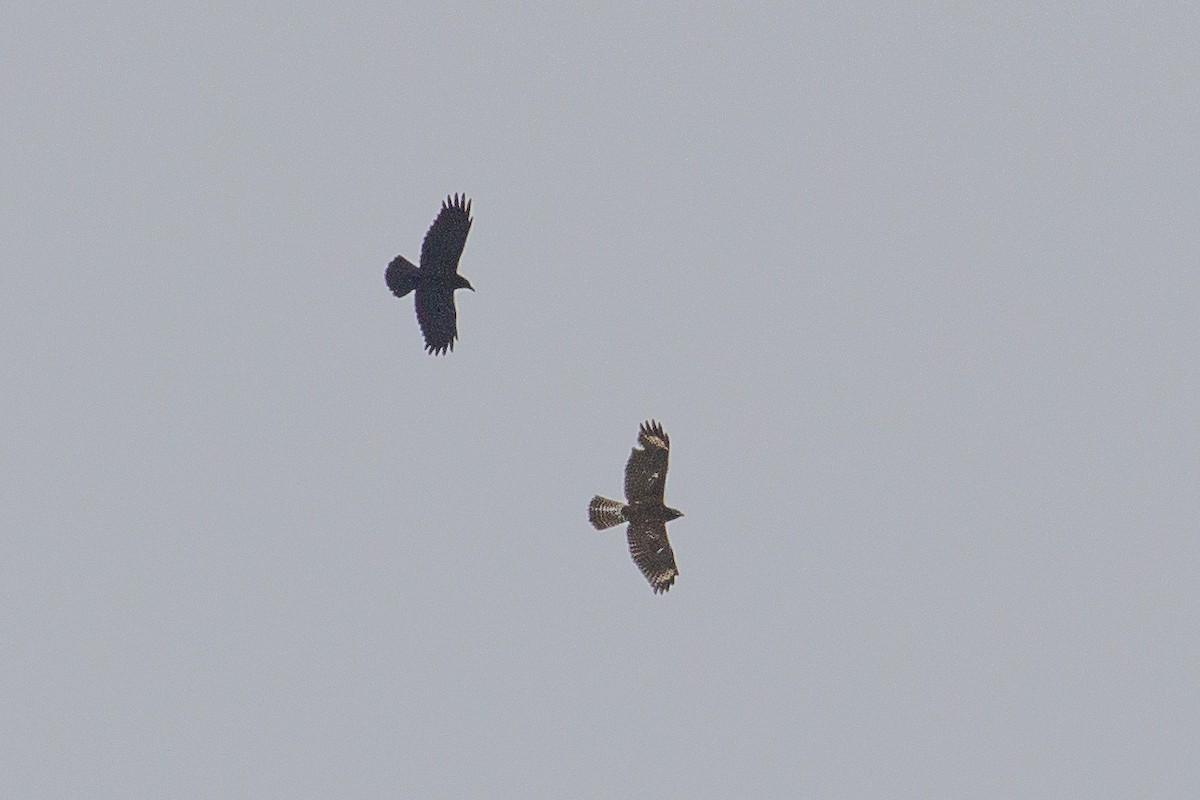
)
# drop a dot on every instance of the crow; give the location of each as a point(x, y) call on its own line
point(438, 276)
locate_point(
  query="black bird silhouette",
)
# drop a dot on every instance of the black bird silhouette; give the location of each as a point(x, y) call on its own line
point(438, 276)
point(647, 515)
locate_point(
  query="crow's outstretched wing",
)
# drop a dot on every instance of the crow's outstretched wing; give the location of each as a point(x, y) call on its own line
point(444, 241)
point(435, 313)
point(646, 470)
point(652, 553)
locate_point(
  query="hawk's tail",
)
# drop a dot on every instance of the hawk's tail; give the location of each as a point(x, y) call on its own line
point(605, 513)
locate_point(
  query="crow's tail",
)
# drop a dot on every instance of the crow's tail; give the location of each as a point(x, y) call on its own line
point(401, 276)
point(605, 513)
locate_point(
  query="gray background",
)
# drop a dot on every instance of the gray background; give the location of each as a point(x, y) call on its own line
point(914, 293)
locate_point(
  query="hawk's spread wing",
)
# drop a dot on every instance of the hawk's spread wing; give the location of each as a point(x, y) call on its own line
point(652, 553)
point(646, 470)
point(444, 241)
point(435, 313)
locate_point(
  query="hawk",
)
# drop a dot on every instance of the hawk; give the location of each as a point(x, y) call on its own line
point(438, 276)
point(647, 515)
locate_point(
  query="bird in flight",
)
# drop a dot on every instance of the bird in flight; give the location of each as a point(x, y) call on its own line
point(644, 509)
point(438, 276)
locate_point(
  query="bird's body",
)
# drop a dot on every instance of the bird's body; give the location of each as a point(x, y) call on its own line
point(644, 509)
point(436, 280)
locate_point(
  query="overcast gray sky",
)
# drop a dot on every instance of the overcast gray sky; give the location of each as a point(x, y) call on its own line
point(914, 292)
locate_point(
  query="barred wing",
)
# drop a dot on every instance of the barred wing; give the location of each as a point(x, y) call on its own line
point(646, 470)
point(446, 237)
point(652, 553)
